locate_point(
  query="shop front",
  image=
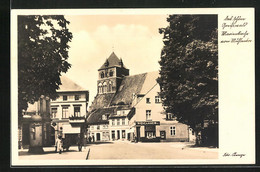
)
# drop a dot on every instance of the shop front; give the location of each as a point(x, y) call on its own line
point(146, 131)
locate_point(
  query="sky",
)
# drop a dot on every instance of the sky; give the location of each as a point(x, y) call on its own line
point(134, 38)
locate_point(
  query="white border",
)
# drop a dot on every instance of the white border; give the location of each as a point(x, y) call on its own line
point(236, 97)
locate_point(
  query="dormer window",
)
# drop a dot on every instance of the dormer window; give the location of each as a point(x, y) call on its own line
point(105, 116)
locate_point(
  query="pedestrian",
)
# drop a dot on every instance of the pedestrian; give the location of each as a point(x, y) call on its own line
point(79, 143)
point(89, 139)
point(56, 143)
point(59, 144)
point(93, 138)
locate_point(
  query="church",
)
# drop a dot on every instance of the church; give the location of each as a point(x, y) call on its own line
point(128, 107)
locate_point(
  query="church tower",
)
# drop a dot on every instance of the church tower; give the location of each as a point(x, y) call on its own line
point(110, 74)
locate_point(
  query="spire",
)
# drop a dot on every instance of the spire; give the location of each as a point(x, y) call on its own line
point(121, 62)
point(106, 63)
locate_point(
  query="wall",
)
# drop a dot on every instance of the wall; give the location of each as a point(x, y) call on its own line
point(181, 131)
point(70, 102)
point(118, 128)
point(103, 131)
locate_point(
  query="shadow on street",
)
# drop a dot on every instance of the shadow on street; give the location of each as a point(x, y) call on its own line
point(25, 153)
point(97, 143)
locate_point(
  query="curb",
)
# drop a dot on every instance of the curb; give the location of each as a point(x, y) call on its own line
point(88, 154)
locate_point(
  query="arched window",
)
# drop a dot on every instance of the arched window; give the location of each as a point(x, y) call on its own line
point(99, 88)
point(111, 73)
point(109, 86)
point(105, 87)
point(102, 74)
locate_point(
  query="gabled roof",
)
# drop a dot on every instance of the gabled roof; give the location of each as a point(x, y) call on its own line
point(149, 82)
point(129, 85)
point(113, 61)
point(96, 116)
point(69, 85)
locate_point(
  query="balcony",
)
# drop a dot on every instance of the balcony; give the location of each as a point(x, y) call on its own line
point(76, 119)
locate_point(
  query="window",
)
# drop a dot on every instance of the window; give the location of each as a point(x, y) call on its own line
point(113, 134)
point(123, 134)
point(92, 127)
point(157, 99)
point(148, 115)
point(110, 86)
point(170, 116)
point(53, 112)
point(113, 121)
point(105, 87)
point(105, 126)
point(105, 117)
point(77, 111)
point(118, 122)
point(65, 98)
point(98, 127)
point(173, 130)
point(123, 121)
point(100, 88)
point(77, 97)
point(102, 75)
point(65, 112)
point(111, 73)
point(148, 100)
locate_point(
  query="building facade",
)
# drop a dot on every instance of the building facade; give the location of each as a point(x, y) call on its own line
point(68, 111)
point(34, 126)
point(148, 120)
point(131, 107)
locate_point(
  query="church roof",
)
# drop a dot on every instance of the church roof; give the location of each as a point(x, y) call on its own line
point(101, 100)
point(129, 85)
point(69, 85)
point(113, 61)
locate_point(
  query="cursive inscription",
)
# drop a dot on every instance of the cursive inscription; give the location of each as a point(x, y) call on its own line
point(234, 30)
point(226, 154)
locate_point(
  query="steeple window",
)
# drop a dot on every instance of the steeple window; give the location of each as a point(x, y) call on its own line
point(109, 86)
point(111, 73)
point(102, 75)
point(104, 87)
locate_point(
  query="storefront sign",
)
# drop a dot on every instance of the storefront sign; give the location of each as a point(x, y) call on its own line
point(148, 123)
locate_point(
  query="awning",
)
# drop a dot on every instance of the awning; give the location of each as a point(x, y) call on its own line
point(68, 129)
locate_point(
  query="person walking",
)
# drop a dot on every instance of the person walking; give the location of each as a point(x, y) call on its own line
point(59, 144)
point(89, 139)
point(79, 143)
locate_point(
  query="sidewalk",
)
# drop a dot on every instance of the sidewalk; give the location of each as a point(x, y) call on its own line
point(50, 154)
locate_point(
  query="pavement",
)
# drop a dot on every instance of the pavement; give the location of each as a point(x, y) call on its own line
point(126, 150)
point(50, 154)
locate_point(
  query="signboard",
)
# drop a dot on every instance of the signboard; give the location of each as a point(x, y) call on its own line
point(148, 123)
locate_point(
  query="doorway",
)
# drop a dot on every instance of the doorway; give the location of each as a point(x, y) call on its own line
point(118, 134)
point(138, 133)
point(163, 135)
point(98, 136)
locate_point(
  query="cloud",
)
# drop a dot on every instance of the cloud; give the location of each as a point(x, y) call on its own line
point(135, 44)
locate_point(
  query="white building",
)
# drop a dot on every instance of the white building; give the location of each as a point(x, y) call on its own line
point(69, 110)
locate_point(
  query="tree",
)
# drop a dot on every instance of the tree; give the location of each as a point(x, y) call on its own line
point(189, 70)
point(42, 56)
